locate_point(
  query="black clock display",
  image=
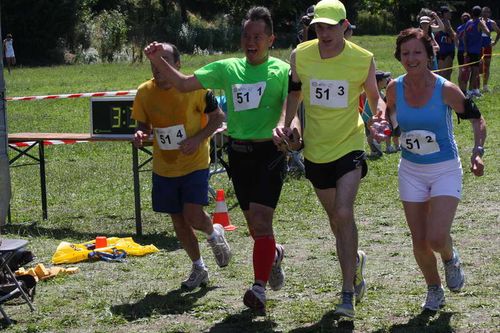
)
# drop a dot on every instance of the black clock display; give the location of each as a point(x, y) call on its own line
point(110, 116)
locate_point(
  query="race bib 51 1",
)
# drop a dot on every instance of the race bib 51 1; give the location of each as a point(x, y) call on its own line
point(247, 96)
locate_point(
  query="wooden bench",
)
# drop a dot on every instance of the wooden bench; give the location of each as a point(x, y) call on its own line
point(38, 140)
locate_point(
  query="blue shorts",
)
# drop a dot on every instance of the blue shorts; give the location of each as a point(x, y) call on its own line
point(171, 193)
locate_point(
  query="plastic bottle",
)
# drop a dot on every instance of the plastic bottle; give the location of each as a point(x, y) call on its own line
point(383, 129)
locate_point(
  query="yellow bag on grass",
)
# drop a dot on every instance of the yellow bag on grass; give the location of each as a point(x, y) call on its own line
point(68, 253)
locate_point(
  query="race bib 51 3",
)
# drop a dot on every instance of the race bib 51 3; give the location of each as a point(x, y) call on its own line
point(329, 93)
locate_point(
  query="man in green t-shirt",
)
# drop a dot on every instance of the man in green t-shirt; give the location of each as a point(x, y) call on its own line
point(330, 73)
point(256, 87)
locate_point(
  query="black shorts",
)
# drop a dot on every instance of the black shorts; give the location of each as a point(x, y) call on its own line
point(257, 170)
point(474, 58)
point(443, 56)
point(325, 175)
point(460, 57)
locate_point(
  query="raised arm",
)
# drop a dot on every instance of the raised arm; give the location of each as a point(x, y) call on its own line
point(180, 81)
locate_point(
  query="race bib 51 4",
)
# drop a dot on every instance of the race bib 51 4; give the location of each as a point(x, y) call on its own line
point(168, 138)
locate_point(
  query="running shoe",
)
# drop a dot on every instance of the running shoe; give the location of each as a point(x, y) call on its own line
point(255, 298)
point(197, 277)
point(346, 307)
point(390, 150)
point(359, 277)
point(434, 299)
point(220, 247)
point(454, 274)
point(277, 277)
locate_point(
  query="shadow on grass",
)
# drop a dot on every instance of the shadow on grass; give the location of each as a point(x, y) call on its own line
point(330, 322)
point(160, 240)
point(244, 323)
point(424, 322)
point(175, 302)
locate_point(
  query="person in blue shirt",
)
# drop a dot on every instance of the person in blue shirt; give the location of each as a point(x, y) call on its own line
point(472, 48)
point(446, 42)
point(464, 71)
point(430, 171)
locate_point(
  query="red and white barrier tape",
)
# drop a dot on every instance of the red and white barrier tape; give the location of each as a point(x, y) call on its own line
point(46, 143)
point(78, 95)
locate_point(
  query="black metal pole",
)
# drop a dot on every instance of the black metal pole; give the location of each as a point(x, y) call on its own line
point(4, 158)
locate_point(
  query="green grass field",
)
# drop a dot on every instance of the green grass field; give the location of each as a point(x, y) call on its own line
point(90, 193)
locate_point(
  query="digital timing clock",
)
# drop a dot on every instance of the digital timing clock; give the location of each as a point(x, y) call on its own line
point(110, 117)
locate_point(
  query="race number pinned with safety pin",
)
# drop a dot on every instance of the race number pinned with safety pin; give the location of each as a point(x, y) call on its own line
point(247, 96)
point(420, 142)
point(168, 138)
point(329, 93)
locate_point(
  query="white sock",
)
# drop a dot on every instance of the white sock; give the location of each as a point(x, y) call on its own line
point(213, 234)
point(199, 263)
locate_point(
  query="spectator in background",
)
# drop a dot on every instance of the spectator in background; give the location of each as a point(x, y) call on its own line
point(307, 32)
point(8, 49)
point(488, 45)
point(473, 42)
point(463, 72)
point(349, 30)
point(446, 41)
point(425, 25)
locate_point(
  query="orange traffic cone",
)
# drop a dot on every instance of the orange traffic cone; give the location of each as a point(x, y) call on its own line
point(221, 216)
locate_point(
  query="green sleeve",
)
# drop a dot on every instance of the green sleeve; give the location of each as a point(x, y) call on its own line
point(212, 76)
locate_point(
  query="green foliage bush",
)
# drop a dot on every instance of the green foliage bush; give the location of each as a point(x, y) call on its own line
point(379, 23)
point(109, 33)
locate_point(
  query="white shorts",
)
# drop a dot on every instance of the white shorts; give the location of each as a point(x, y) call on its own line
point(420, 182)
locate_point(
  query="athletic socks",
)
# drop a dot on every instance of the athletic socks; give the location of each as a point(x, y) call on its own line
point(199, 263)
point(264, 253)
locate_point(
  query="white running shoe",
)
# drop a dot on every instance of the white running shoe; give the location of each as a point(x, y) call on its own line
point(454, 274)
point(277, 277)
point(435, 298)
point(197, 277)
point(255, 298)
point(220, 247)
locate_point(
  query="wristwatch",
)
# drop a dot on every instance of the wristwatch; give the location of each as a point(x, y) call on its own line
point(479, 150)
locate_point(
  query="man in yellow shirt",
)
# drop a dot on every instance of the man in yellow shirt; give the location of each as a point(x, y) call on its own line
point(181, 124)
point(329, 73)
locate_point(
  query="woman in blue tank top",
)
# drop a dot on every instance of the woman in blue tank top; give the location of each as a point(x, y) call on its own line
point(430, 172)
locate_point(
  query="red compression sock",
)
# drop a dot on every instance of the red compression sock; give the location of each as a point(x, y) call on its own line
point(264, 250)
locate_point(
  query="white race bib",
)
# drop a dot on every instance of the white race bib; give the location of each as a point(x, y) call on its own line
point(329, 93)
point(247, 96)
point(168, 138)
point(420, 142)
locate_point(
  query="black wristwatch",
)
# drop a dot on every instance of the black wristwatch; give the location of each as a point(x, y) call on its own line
point(479, 150)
